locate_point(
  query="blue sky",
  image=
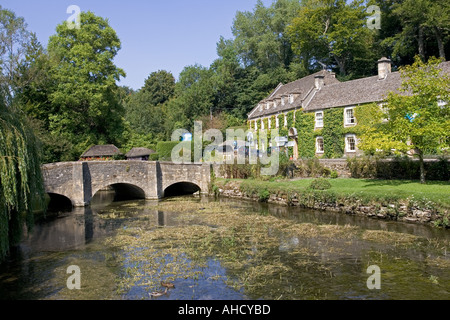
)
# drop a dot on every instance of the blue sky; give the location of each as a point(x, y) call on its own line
point(155, 35)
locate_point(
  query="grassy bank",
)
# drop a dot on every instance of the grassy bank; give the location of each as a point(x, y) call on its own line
point(434, 196)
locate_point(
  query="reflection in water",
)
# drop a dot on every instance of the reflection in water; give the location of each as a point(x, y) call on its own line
point(161, 219)
point(295, 266)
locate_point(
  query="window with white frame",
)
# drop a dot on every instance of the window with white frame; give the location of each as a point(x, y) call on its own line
point(350, 143)
point(319, 145)
point(285, 121)
point(349, 116)
point(277, 120)
point(319, 119)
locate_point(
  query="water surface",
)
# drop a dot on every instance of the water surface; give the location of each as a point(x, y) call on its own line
point(224, 249)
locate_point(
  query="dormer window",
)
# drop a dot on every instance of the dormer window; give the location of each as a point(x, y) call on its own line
point(291, 98)
point(268, 105)
point(282, 101)
point(260, 107)
point(349, 117)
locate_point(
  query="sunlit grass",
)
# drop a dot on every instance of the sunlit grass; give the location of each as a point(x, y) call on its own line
point(436, 192)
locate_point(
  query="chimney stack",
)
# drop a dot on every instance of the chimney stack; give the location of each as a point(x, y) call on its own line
point(319, 81)
point(384, 68)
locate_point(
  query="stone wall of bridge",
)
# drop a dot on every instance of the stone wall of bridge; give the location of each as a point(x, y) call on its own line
point(80, 181)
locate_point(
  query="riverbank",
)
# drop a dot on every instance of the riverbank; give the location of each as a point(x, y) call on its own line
point(407, 201)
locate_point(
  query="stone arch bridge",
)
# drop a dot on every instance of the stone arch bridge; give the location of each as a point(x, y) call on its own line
point(80, 181)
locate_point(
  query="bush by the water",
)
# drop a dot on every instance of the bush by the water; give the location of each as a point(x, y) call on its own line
point(320, 184)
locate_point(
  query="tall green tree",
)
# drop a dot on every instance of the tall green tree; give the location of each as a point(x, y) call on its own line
point(142, 116)
point(86, 106)
point(334, 33)
point(14, 40)
point(260, 36)
point(417, 118)
point(160, 87)
point(194, 94)
point(424, 27)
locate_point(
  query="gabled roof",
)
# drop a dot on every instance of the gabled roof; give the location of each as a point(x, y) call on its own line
point(302, 88)
point(139, 152)
point(360, 91)
point(101, 151)
point(355, 92)
point(333, 93)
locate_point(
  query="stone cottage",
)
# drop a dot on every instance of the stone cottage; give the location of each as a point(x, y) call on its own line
point(319, 93)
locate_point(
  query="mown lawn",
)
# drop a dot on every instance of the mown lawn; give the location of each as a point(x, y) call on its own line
point(437, 192)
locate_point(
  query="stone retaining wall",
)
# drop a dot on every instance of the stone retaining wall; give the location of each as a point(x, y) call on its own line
point(397, 211)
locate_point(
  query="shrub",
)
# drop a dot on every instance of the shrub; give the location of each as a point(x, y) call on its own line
point(119, 157)
point(264, 195)
point(320, 184)
point(334, 174)
point(154, 157)
point(397, 168)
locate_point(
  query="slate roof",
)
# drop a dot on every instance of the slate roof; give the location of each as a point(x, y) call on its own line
point(355, 92)
point(139, 152)
point(360, 91)
point(101, 151)
point(338, 94)
point(303, 87)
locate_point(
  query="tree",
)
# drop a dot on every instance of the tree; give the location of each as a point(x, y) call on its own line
point(142, 116)
point(14, 39)
point(160, 87)
point(21, 183)
point(334, 33)
point(86, 106)
point(423, 27)
point(260, 37)
point(194, 94)
point(417, 118)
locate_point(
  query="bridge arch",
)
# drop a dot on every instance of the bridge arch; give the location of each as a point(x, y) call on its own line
point(58, 201)
point(181, 189)
point(123, 191)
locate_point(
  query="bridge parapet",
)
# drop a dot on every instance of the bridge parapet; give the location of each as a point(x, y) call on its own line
point(80, 181)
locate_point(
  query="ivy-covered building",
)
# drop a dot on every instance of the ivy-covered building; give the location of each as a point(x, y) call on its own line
point(317, 113)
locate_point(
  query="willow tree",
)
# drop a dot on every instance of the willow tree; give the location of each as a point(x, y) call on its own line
point(20, 177)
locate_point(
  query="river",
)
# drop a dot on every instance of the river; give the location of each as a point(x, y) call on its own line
point(223, 249)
